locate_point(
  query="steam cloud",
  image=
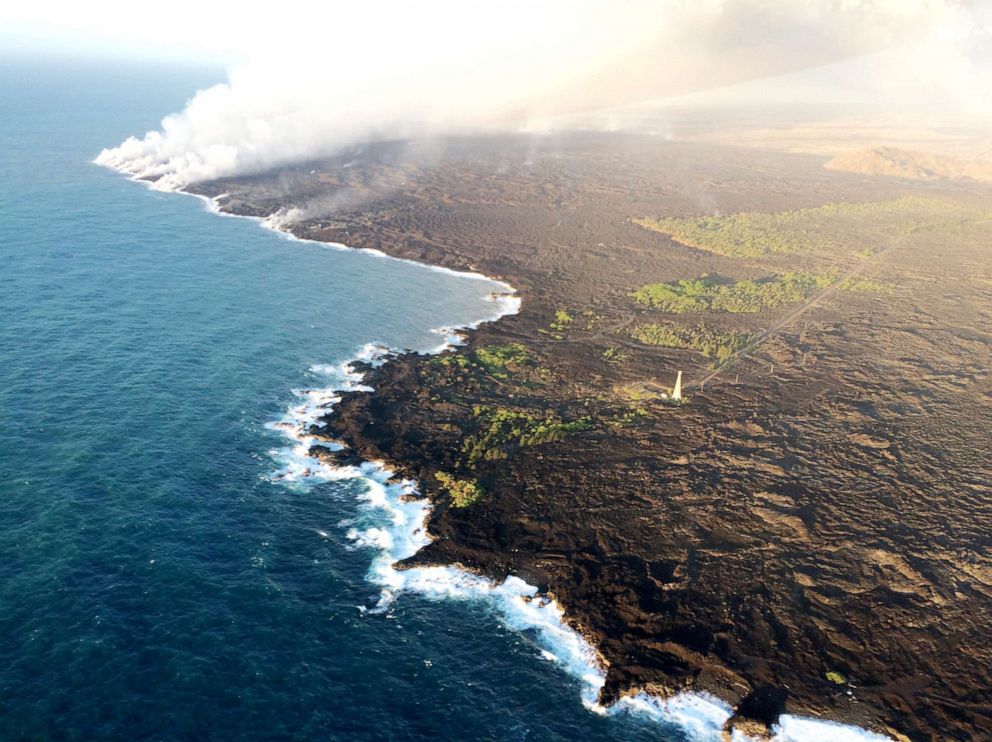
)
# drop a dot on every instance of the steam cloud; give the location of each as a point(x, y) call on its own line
point(400, 71)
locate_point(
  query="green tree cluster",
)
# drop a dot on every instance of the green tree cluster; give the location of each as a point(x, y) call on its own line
point(754, 234)
point(496, 359)
point(500, 430)
point(740, 297)
point(711, 343)
point(865, 285)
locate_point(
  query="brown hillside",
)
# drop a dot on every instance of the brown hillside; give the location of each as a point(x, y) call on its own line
point(904, 163)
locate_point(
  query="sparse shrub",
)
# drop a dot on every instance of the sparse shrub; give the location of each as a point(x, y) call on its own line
point(455, 359)
point(463, 492)
point(562, 320)
point(865, 285)
point(614, 355)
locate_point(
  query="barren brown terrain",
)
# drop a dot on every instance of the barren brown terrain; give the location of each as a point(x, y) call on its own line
point(903, 163)
point(809, 531)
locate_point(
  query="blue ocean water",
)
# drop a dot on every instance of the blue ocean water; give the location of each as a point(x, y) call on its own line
point(155, 581)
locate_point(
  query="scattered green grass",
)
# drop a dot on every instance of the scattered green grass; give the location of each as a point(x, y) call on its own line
point(463, 492)
point(740, 297)
point(711, 343)
point(501, 430)
point(840, 225)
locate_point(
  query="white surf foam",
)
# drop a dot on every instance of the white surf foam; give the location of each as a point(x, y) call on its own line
point(799, 729)
point(402, 532)
point(506, 298)
point(296, 463)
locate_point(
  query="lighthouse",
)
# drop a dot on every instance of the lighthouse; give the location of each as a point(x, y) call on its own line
point(677, 390)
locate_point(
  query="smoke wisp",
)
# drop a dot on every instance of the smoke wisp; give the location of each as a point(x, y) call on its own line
point(390, 71)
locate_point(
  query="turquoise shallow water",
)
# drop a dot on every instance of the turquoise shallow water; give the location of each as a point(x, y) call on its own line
point(155, 583)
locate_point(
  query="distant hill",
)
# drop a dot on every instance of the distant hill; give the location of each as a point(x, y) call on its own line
point(904, 163)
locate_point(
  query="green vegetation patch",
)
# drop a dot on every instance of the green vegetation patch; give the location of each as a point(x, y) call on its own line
point(711, 343)
point(842, 225)
point(501, 430)
point(496, 359)
point(454, 359)
point(463, 492)
point(562, 320)
point(865, 285)
point(614, 355)
point(835, 677)
point(708, 294)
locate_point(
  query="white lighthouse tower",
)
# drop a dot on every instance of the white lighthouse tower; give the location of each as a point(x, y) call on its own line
point(677, 391)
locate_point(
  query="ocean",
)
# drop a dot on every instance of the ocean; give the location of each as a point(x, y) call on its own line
point(172, 566)
point(158, 580)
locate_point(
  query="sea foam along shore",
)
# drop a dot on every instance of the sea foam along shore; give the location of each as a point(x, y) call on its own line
point(398, 529)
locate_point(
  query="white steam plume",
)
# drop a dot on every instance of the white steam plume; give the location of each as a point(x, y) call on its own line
point(394, 70)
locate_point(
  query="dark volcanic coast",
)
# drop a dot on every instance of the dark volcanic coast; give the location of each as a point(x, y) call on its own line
point(808, 532)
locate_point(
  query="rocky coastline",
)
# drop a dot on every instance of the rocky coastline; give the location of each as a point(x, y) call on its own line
point(793, 538)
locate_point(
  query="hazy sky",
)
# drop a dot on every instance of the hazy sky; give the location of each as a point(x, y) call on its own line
point(305, 78)
point(225, 31)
